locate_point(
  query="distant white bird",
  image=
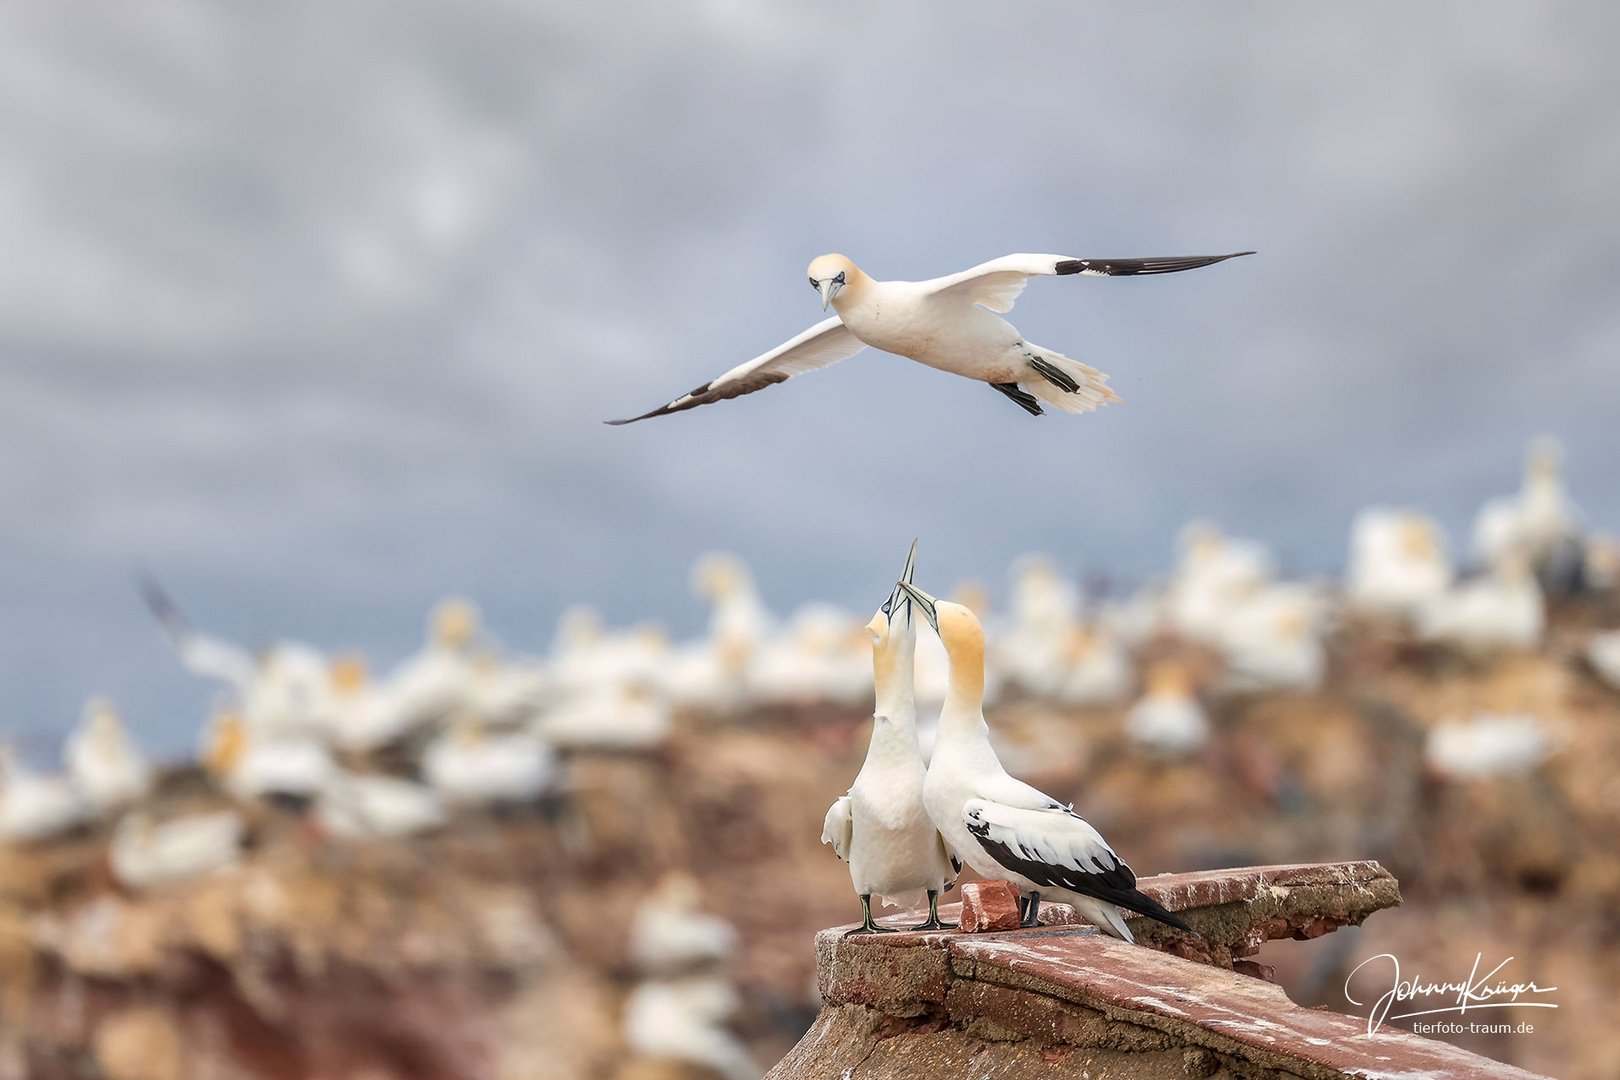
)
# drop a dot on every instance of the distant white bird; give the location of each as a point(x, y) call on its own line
point(949, 323)
point(1603, 652)
point(280, 690)
point(1003, 827)
point(471, 766)
point(437, 681)
point(1398, 562)
point(1504, 609)
point(1168, 720)
point(287, 769)
point(612, 717)
point(881, 827)
point(1214, 572)
point(356, 712)
point(1271, 638)
point(104, 763)
point(684, 1020)
point(671, 934)
point(362, 806)
point(1043, 617)
point(145, 854)
point(821, 657)
point(1094, 668)
point(1537, 523)
point(1487, 746)
point(36, 807)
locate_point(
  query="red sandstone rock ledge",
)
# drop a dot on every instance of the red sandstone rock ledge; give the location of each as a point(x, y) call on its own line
point(1060, 1000)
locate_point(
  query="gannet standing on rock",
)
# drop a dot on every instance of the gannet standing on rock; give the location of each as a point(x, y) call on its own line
point(950, 323)
point(881, 827)
point(1002, 827)
point(102, 760)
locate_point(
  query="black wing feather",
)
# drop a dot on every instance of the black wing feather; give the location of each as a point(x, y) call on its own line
point(1136, 267)
point(1114, 883)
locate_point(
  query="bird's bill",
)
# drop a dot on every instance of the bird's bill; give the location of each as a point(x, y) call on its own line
point(892, 605)
point(829, 288)
point(925, 603)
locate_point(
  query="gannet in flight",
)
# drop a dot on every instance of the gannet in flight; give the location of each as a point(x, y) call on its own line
point(881, 828)
point(1002, 827)
point(952, 323)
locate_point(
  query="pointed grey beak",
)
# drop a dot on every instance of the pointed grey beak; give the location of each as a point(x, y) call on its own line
point(897, 598)
point(924, 602)
point(829, 289)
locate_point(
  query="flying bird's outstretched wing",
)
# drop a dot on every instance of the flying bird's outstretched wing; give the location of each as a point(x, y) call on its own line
point(825, 343)
point(838, 828)
point(199, 654)
point(997, 283)
point(1058, 848)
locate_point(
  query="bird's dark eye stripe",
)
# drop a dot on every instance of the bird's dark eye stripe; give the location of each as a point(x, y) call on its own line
point(840, 278)
point(814, 284)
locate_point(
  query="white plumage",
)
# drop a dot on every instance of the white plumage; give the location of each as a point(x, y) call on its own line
point(1168, 720)
point(1503, 609)
point(35, 807)
point(882, 827)
point(671, 933)
point(145, 854)
point(1487, 746)
point(1398, 562)
point(104, 762)
point(471, 766)
point(950, 323)
point(1001, 826)
point(365, 807)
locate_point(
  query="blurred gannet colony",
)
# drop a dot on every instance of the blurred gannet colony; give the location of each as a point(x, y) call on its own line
point(461, 724)
point(623, 747)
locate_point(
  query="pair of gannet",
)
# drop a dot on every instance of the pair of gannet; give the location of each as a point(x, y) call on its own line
point(881, 827)
point(104, 762)
point(1398, 562)
point(950, 323)
point(998, 825)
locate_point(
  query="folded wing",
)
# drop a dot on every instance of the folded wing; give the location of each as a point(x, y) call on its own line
point(1056, 848)
point(823, 344)
point(997, 283)
point(838, 827)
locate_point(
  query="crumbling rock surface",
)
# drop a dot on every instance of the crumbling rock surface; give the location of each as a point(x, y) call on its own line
point(1068, 1001)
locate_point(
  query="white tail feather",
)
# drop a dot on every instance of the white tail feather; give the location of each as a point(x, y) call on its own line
point(1094, 391)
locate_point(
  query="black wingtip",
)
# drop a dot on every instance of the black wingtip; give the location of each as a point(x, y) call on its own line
point(1142, 904)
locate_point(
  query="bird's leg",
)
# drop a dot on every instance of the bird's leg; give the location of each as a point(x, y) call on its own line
point(1022, 397)
point(867, 925)
point(1053, 374)
point(1030, 911)
point(934, 922)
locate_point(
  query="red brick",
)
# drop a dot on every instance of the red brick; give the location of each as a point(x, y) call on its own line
point(989, 905)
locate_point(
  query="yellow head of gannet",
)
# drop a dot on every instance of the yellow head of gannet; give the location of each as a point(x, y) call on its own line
point(347, 674)
point(1168, 679)
point(832, 274)
point(455, 622)
point(962, 635)
point(225, 743)
point(102, 719)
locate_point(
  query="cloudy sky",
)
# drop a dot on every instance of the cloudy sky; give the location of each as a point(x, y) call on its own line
point(314, 310)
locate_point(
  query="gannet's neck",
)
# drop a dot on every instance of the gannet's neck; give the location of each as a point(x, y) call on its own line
point(964, 693)
point(894, 664)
